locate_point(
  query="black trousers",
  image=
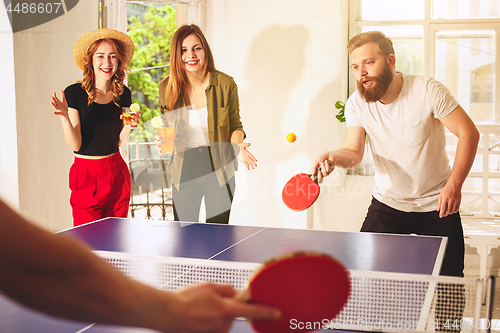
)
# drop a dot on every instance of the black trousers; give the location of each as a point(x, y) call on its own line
point(450, 300)
point(384, 219)
point(198, 180)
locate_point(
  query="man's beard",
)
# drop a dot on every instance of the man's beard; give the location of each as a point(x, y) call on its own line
point(379, 86)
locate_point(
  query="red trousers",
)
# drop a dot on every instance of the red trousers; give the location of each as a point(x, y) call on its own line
point(99, 188)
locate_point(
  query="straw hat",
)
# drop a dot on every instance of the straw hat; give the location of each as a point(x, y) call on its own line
point(83, 44)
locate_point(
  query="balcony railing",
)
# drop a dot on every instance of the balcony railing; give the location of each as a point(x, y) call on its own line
point(151, 192)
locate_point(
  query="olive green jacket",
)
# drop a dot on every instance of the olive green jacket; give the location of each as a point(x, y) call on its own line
point(223, 119)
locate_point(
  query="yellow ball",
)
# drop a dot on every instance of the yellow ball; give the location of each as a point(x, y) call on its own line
point(134, 107)
point(291, 137)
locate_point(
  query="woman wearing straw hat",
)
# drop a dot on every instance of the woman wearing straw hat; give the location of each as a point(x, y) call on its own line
point(202, 103)
point(90, 112)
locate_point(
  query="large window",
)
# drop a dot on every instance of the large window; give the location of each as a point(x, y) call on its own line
point(455, 41)
point(465, 64)
point(151, 24)
point(151, 27)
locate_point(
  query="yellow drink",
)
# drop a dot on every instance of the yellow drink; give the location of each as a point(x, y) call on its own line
point(127, 118)
point(167, 137)
point(128, 114)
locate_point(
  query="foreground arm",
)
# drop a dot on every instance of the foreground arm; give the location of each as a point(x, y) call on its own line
point(460, 124)
point(62, 277)
point(349, 156)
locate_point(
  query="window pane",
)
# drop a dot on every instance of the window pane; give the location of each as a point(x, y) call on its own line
point(408, 42)
point(465, 64)
point(449, 9)
point(151, 27)
point(389, 10)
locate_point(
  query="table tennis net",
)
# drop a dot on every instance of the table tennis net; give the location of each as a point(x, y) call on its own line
point(379, 301)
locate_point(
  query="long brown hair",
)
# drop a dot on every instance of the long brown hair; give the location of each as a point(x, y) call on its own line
point(177, 80)
point(88, 82)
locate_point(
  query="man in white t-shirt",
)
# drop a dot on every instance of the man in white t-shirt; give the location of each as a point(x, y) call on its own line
point(404, 119)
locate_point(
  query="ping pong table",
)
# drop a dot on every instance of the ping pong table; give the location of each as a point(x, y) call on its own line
point(357, 251)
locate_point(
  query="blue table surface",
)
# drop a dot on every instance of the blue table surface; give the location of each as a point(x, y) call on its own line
point(357, 251)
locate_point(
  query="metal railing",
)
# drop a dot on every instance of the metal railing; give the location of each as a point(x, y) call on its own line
point(151, 189)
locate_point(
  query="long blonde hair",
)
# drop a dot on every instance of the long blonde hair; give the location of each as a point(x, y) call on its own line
point(177, 79)
point(88, 82)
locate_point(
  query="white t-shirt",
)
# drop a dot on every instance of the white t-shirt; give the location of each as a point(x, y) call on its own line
point(408, 142)
point(197, 128)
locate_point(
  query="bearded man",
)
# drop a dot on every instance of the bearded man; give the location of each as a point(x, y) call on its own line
point(404, 119)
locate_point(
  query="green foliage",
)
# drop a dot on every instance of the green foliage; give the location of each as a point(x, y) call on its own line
point(340, 106)
point(152, 35)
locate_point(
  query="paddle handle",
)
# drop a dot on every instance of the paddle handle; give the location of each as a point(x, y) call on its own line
point(314, 177)
point(243, 296)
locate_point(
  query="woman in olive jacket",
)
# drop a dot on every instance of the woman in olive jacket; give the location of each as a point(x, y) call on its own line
point(203, 106)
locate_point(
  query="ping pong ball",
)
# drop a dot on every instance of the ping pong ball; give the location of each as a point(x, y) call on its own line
point(134, 107)
point(157, 122)
point(291, 137)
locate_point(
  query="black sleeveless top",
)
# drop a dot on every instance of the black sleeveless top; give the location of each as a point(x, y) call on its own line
point(100, 124)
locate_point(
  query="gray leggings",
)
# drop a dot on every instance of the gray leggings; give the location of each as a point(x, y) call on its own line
point(199, 180)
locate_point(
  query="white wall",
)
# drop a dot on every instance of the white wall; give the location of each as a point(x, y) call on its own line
point(289, 60)
point(43, 58)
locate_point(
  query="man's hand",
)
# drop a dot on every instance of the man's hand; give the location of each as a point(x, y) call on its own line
point(211, 308)
point(326, 163)
point(459, 123)
point(449, 200)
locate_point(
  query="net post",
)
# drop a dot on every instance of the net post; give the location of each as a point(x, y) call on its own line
point(489, 301)
point(479, 301)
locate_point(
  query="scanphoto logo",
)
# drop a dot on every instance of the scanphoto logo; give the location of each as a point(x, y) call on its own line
point(382, 326)
point(369, 325)
point(26, 14)
point(299, 187)
point(308, 325)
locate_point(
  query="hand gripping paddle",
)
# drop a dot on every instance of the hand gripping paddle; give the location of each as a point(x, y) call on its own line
point(301, 191)
point(307, 287)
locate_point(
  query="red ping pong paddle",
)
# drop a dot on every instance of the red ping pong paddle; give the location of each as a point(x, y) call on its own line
point(301, 191)
point(308, 287)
